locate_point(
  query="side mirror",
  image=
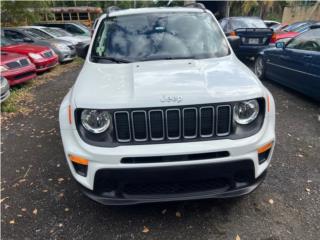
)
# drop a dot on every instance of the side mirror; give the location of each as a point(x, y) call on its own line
point(234, 42)
point(280, 45)
point(28, 40)
point(83, 51)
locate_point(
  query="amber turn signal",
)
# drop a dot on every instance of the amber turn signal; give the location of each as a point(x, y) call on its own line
point(78, 160)
point(265, 148)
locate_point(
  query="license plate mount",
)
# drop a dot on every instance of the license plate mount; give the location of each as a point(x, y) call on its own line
point(253, 40)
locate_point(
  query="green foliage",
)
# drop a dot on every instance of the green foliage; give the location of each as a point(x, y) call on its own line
point(15, 13)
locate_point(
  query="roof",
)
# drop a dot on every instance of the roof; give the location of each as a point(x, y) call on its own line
point(132, 11)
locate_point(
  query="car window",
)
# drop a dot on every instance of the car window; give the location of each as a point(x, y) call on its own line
point(247, 23)
point(73, 29)
point(143, 37)
point(6, 41)
point(309, 41)
point(16, 36)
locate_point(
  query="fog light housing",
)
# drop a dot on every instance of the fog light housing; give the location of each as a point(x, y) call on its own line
point(263, 152)
point(80, 164)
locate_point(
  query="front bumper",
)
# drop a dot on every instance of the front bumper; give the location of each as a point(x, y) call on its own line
point(20, 75)
point(46, 63)
point(66, 56)
point(147, 185)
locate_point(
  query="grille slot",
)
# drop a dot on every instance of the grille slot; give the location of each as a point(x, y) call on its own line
point(156, 125)
point(206, 121)
point(139, 125)
point(223, 120)
point(190, 122)
point(172, 124)
point(122, 126)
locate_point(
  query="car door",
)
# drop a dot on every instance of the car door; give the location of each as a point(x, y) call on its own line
point(302, 63)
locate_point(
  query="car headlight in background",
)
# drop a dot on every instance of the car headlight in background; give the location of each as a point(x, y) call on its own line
point(246, 112)
point(95, 121)
point(61, 47)
point(35, 56)
point(3, 69)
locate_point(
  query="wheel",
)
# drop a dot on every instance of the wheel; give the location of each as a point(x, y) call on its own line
point(259, 68)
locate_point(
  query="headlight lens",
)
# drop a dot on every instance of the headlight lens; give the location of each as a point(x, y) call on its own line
point(246, 112)
point(3, 68)
point(95, 121)
point(35, 55)
point(61, 46)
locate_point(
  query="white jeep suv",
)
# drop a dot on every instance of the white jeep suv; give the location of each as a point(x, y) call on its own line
point(163, 110)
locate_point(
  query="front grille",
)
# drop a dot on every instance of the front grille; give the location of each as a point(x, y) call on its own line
point(172, 124)
point(47, 54)
point(18, 64)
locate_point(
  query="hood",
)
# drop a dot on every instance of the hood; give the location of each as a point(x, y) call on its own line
point(24, 48)
point(55, 40)
point(10, 57)
point(164, 83)
point(70, 39)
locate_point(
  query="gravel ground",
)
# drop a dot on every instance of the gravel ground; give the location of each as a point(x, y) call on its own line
point(40, 200)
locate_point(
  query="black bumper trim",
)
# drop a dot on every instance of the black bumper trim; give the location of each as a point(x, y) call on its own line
point(120, 201)
point(164, 184)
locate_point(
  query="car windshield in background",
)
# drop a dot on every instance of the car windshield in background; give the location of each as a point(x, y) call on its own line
point(62, 32)
point(37, 34)
point(6, 41)
point(54, 32)
point(159, 36)
point(247, 23)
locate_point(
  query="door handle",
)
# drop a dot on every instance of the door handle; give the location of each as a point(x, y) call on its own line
point(307, 56)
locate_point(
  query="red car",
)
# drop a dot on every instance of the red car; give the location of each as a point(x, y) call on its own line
point(282, 35)
point(42, 57)
point(16, 68)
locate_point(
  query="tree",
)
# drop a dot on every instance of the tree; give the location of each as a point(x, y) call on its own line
point(14, 13)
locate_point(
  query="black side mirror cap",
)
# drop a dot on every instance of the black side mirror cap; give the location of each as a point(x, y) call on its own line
point(234, 42)
point(83, 51)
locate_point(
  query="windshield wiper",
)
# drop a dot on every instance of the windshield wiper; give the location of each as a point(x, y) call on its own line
point(111, 59)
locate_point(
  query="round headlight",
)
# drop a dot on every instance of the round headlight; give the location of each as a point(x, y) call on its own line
point(246, 112)
point(95, 121)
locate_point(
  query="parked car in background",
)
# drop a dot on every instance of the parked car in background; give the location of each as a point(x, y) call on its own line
point(271, 23)
point(16, 68)
point(79, 41)
point(65, 50)
point(71, 27)
point(4, 89)
point(41, 56)
point(279, 27)
point(291, 31)
point(253, 33)
point(295, 64)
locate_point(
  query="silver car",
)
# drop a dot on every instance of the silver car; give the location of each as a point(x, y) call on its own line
point(4, 88)
point(65, 50)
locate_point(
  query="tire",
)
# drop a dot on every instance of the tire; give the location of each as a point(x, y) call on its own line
point(260, 68)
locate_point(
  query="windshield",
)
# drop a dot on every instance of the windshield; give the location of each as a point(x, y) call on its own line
point(6, 41)
point(159, 36)
point(37, 34)
point(247, 23)
point(54, 32)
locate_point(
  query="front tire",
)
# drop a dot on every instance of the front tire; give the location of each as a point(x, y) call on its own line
point(260, 68)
